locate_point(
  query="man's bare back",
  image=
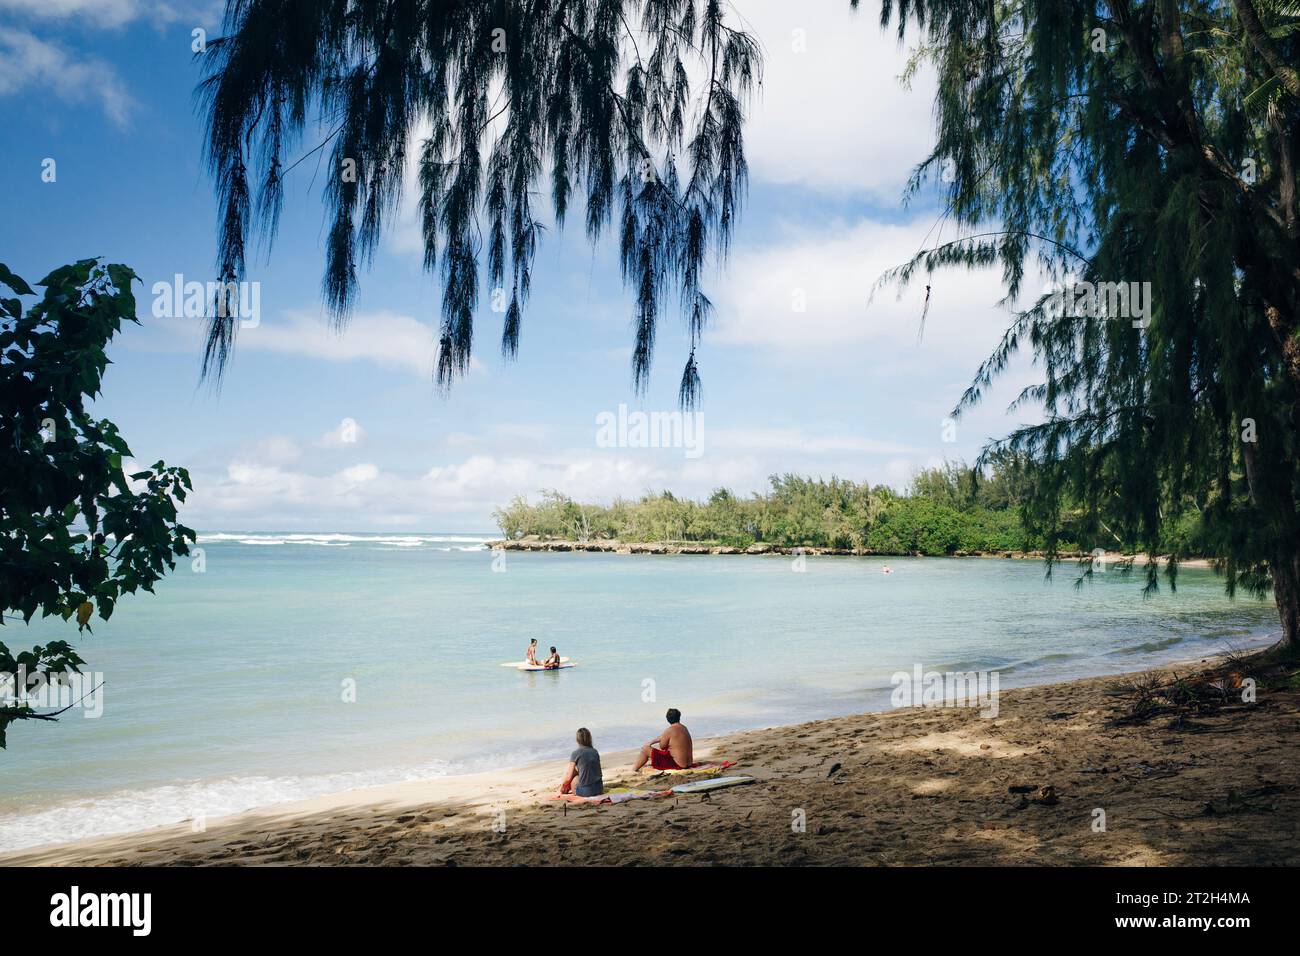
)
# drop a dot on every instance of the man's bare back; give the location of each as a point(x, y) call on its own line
point(677, 741)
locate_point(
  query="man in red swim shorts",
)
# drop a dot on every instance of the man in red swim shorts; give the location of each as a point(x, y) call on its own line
point(671, 750)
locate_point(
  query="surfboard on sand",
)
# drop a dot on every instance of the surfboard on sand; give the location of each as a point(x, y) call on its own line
point(715, 783)
point(523, 664)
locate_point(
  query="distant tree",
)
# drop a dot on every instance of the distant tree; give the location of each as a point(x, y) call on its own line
point(76, 532)
point(1144, 150)
point(950, 484)
point(590, 96)
point(513, 518)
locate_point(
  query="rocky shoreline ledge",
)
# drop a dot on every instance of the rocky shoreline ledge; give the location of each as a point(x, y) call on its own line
point(664, 547)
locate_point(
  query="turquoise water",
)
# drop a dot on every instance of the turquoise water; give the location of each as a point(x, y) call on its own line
point(225, 690)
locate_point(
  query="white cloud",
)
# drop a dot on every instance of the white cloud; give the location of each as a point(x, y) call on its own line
point(116, 13)
point(383, 337)
point(830, 274)
point(834, 116)
point(386, 338)
point(106, 13)
point(359, 474)
point(908, 388)
point(279, 483)
point(30, 66)
point(252, 494)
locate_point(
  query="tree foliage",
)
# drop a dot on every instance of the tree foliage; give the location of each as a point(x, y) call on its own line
point(76, 532)
point(946, 510)
point(634, 106)
point(1136, 141)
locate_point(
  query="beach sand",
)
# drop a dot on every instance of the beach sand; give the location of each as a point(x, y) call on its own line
point(1217, 786)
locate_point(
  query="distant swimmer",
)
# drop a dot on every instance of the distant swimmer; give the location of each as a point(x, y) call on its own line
point(530, 655)
point(552, 662)
point(886, 570)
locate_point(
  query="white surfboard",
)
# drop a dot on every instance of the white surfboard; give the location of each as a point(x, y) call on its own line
point(716, 783)
point(522, 664)
point(539, 667)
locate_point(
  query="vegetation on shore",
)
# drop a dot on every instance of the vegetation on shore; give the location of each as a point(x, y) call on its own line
point(946, 510)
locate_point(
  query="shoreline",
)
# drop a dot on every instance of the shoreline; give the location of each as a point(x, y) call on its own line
point(614, 546)
point(917, 761)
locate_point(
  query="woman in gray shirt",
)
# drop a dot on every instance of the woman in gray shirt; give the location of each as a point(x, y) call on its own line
point(582, 777)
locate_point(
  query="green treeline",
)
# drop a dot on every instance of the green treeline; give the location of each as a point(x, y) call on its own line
point(945, 510)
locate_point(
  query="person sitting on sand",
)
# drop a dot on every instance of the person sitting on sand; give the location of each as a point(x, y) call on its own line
point(583, 778)
point(671, 750)
point(553, 661)
point(530, 655)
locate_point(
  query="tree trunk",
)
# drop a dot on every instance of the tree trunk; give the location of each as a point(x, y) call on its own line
point(1285, 569)
point(1262, 42)
point(1284, 560)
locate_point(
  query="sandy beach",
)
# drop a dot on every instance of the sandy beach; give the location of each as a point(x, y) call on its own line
point(1141, 770)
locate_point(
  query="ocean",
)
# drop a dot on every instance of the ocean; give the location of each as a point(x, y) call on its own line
point(295, 665)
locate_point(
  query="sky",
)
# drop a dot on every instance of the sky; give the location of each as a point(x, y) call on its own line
point(315, 430)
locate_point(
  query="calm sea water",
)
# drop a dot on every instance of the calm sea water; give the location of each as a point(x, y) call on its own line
point(226, 690)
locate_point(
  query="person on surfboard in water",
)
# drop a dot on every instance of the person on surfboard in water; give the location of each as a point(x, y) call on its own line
point(530, 655)
point(553, 661)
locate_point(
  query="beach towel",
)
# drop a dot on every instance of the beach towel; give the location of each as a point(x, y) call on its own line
point(697, 769)
point(613, 795)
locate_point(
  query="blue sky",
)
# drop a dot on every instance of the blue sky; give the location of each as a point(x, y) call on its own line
point(105, 88)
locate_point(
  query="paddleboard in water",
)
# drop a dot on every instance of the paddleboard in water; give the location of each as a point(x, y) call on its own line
point(717, 783)
point(539, 667)
point(521, 664)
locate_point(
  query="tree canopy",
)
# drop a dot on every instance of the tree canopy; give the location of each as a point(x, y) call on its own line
point(1142, 153)
point(634, 106)
point(76, 532)
point(945, 511)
